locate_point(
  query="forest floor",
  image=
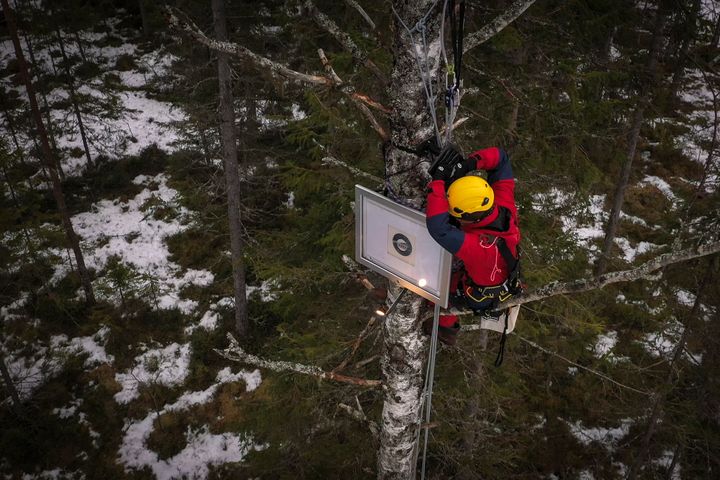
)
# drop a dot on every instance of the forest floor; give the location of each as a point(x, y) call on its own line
point(135, 389)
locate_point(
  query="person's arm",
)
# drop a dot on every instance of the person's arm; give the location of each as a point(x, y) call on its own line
point(496, 162)
point(438, 219)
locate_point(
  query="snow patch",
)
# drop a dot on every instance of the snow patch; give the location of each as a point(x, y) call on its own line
point(608, 437)
point(166, 366)
point(202, 448)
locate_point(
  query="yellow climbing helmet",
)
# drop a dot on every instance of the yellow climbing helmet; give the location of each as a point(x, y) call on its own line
point(471, 198)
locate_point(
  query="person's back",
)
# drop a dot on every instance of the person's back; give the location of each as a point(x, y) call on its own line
point(476, 221)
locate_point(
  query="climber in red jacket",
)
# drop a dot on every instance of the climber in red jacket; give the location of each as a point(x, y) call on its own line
point(476, 221)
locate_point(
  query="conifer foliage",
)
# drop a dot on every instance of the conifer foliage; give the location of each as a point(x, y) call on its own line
point(194, 176)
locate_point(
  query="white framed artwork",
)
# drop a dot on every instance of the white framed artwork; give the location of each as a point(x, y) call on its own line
point(392, 240)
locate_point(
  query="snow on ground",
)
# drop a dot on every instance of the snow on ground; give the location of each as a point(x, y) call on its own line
point(166, 366)
point(630, 253)
point(128, 231)
point(140, 121)
point(608, 437)
point(604, 345)
point(202, 450)
point(661, 185)
point(93, 346)
point(267, 290)
point(700, 124)
point(662, 343)
point(665, 461)
point(582, 221)
point(31, 371)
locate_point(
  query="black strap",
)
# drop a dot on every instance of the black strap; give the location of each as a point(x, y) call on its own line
point(458, 39)
point(501, 352)
point(510, 260)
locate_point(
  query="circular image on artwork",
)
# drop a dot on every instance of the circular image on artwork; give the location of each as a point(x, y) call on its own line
point(402, 244)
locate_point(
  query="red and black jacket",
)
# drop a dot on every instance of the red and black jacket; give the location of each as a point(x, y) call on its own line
point(476, 244)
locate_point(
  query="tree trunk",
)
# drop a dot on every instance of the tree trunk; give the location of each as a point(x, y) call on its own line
point(144, 18)
point(232, 177)
point(404, 345)
point(73, 96)
point(659, 397)
point(48, 156)
point(10, 387)
point(41, 89)
point(638, 118)
point(689, 34)
point(78, 40)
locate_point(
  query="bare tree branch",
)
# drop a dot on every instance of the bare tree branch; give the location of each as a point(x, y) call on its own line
point(177, 21)
point(359, 415)
point(277, 69)
point(583, 285)
point(356, 99)
point(327, 24)
point(362, 12)
point(490, 30)
point(236, 353)
point(353, 170)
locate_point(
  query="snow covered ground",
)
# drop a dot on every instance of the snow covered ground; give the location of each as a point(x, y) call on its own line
point(127, 232)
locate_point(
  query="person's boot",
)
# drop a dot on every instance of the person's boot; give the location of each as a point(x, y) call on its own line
point(447, 335)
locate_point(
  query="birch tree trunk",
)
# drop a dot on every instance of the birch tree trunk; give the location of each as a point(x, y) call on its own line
point(638, 118)
point(232, 176)
point(404, 345)
point(47, 154)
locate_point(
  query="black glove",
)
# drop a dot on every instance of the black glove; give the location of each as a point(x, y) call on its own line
point(430, 145)
point(449, 166)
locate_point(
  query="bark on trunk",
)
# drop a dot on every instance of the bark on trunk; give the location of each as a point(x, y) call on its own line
point(404, 346)
point(232, 177)
point(48, 155)
point(638, 118)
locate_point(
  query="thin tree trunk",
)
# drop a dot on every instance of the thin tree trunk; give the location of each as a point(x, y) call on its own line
point(232, 177)
point(690, 29)
point(144, 18)
point(41, 90)
point(78, 40)
point(48, 155)
point(10, 386)
point(638, 118)
point(73, 96)
point(659, 397)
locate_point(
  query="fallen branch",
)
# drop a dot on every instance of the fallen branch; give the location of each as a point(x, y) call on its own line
point(236, 353)
point(359, 415)
point(491, 29)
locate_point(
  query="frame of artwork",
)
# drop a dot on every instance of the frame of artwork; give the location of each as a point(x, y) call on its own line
point(392, 240)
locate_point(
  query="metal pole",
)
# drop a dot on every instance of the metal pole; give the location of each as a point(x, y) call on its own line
point(429, 380)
